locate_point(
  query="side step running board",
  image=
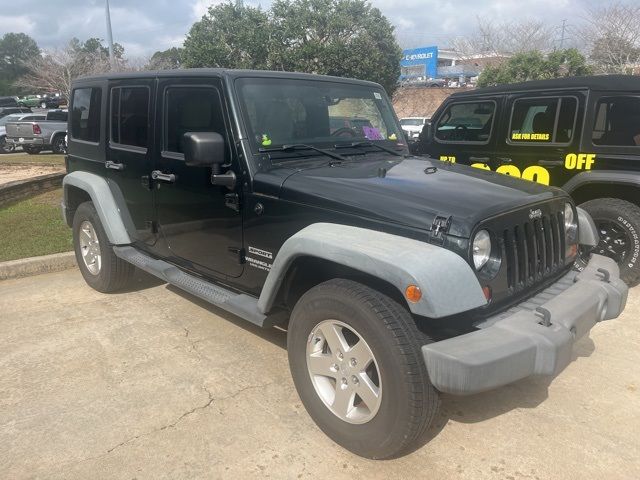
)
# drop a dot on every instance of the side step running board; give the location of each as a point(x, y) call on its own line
point(244, 306)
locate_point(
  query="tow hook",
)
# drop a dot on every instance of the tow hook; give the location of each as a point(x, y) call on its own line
point(605, 274)
point(545, 315)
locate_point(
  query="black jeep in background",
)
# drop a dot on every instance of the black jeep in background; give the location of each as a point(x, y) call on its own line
point(291, 200)
point(581, 134)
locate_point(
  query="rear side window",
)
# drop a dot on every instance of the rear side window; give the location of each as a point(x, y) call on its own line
point(85, 115)
point(543, 120)
point(469, 122)
point(57, 116)
point(130, 116)
point(191, 110)
point(617, 121)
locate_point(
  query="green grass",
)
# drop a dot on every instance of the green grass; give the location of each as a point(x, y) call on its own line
point(24, 159)
point(34, 227)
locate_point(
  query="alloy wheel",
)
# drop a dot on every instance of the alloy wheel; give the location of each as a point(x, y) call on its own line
point(90, 248)
point(344, 371)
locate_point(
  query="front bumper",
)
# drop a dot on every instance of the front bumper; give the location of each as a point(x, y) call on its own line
point(533, 338)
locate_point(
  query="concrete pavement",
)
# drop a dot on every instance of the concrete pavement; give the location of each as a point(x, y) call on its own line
point(154, 384)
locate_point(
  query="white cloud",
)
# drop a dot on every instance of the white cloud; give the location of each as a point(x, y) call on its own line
point(16, 23)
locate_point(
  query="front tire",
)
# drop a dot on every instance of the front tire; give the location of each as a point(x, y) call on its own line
point(355, 358)
point(99, 265)
point(618, 223)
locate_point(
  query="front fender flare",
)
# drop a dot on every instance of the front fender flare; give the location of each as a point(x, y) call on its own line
point(601, 176)
point(448, 284)
point(102, 198)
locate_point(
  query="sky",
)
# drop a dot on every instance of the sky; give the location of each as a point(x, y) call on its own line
point(145, 26)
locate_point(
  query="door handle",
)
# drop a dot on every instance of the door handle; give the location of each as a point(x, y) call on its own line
point(163, 177)
point(113, 165)
point(505, 160)
point(480, 159)
point(551, 163)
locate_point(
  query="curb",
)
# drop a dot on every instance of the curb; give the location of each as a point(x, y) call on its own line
point(25, 267)
point(20, 189)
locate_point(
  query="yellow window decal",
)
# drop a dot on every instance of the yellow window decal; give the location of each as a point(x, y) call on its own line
point(510, 170)
point(526, 137)
point(579, 161)
point(536, 174)
point(533, 173)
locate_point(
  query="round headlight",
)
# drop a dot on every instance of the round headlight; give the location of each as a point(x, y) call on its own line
point(570, 224)
point(481, 249)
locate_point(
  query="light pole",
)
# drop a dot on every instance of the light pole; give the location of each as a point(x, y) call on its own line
point(109, 34)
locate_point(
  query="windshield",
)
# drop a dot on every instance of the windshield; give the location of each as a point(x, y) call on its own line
point(281, 112)
point(411, 122)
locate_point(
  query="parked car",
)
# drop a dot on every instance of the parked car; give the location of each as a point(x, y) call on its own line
point(15, 117)
point(395, 276)
point(36, 136)
point(4, 111)
point(412, 126)
point(8, 102)
point(581, 134)
point(41, 101)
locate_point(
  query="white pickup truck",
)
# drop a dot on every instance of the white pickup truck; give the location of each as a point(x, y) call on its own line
point(36, 136)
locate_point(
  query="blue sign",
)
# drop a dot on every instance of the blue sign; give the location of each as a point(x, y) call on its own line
point(414, 59)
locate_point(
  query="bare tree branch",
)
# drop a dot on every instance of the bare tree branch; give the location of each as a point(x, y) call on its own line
point(611, 35)
point(54, 70)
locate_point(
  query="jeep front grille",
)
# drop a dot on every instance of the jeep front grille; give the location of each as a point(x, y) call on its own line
point(534, 250)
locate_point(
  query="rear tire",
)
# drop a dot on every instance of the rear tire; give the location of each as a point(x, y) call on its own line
point(58, 145)
point(4, 146)
point(32, 150)
point(403, 403)
point(618, 223)
point(99, 265)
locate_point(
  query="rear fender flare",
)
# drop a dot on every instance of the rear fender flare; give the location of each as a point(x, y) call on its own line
point(103, 200)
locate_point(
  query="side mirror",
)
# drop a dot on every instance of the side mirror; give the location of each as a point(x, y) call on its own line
point(206, 149)
point(203, 149)
point(426, 134)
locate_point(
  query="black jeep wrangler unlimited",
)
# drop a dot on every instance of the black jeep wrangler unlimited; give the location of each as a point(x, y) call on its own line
point(396, 277)
point(581, 134)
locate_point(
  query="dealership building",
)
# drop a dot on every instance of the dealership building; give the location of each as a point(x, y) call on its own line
point(419, 65)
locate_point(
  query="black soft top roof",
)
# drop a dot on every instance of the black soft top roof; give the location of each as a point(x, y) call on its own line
point(220, 72)
point(594, 82)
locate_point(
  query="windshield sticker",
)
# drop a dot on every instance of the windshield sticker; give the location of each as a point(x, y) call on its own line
point(393, 137)
point(579, 161)
point(266, 141)
point(530, 136)
point(372, 133)
point(377, 96)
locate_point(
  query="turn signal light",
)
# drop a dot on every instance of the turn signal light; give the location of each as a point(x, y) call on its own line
point(413, 293)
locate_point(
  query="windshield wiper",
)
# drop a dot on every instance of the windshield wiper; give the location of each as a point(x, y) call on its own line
point(369, 144)
point(304, 146)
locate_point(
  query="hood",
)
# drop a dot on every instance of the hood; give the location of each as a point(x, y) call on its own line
point(405, 191)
